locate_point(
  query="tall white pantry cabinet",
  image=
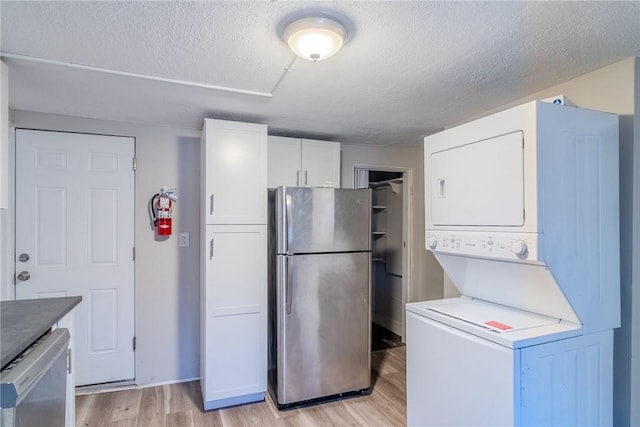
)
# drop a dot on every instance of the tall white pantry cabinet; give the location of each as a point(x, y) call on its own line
point(233, 268)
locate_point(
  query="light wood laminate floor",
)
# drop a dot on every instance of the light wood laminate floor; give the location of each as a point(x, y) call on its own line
point(180, 405)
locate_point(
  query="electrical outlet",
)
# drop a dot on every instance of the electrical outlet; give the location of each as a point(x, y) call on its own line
point(183, 241)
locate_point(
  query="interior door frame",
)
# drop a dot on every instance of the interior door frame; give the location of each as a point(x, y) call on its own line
point(361, 180)
point(8, 224)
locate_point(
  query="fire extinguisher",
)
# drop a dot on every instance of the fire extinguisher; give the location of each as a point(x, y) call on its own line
point(160, 207)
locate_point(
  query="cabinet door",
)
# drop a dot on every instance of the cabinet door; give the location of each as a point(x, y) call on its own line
point(235, 172)
point(235, 293)
point(283, 162)
point(320, 164)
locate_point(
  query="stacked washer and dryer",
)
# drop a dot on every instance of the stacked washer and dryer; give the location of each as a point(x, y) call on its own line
point(522, 212)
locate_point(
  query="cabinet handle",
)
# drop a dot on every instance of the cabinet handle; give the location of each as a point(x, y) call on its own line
point(211, 205)
point(69, 362)
point(297, 178)
point(211, 249)
point(305, 177)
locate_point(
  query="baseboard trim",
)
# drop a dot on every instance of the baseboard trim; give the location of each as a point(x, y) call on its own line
point(233, 401)
point(125, 385)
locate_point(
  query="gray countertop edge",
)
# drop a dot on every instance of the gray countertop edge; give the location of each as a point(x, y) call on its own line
point(24, 321)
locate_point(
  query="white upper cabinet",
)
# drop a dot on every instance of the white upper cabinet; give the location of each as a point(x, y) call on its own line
point(320, 164)
point(283, 162)
point(234, 169)
point(297, 162)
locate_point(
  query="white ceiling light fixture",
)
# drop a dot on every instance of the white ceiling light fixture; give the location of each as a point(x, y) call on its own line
point(316, 38)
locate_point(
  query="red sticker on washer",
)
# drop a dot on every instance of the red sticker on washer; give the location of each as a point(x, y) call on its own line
point(498, 325)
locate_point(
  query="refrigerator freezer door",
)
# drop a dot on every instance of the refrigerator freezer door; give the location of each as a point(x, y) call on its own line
point(319, 220)
point(323, 326)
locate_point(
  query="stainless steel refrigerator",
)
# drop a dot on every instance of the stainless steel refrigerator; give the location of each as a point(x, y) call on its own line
point(319, 294)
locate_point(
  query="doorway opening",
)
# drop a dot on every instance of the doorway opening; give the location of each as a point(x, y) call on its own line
point(390, 249)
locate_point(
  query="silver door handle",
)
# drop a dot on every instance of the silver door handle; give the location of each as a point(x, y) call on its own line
point(297, 178)
point(289, 289)
point(305, 177)
point(211, 205)
point(211, 249)
point(23, 276)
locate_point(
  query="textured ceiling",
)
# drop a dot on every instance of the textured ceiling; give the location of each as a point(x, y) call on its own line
point(407, 69)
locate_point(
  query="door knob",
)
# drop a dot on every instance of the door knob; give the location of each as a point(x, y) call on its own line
point(23, 276)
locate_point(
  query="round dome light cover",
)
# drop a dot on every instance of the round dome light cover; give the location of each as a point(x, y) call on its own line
point(315, 39)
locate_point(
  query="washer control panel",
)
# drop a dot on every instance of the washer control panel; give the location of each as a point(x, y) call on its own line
point(509, 246)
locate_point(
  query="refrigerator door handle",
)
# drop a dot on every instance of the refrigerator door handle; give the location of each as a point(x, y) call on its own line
point(288, 289)
point(286, 232)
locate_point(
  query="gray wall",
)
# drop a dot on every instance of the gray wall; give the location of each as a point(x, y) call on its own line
point(166, 276)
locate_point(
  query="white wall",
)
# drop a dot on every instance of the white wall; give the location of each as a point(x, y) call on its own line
point(616, 88)
point(426, 273)
point(4, 180)
point(4, 136)
point(166, 276)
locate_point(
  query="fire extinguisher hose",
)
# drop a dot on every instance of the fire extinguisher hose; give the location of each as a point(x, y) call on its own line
point(152, 209)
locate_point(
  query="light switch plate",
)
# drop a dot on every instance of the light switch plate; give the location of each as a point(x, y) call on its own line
point(183, 240)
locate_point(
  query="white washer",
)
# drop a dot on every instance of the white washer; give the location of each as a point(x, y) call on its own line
point(521, 211)
point(475, 363)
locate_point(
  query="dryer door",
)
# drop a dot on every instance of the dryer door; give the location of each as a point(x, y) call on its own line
point(480, 183)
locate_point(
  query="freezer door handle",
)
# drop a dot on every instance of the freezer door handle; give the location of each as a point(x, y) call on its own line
point(211, 205)
point(288, 298)
point(286, 217)
point(211, 249)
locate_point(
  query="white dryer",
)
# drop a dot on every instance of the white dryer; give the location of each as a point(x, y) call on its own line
point(521, 211)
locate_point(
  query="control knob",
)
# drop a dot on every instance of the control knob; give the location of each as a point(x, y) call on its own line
point(519, 247)
point(432, 242)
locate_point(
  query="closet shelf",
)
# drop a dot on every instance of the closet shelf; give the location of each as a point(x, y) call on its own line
point(378, 260)
point(379, 208)
point(379, 233)
point(383, 183)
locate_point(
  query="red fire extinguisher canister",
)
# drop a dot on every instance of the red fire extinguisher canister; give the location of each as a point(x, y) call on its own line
point(164, 216)
point(160, 210)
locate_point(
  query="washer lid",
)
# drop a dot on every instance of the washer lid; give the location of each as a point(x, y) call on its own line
point(493, 316)
point(503, 325)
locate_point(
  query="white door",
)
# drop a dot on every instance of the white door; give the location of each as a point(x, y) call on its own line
point(235, 172)
point(74, 236)
point(320, 164)
point(283, 162)
point(235, 290)
point(479, 184)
